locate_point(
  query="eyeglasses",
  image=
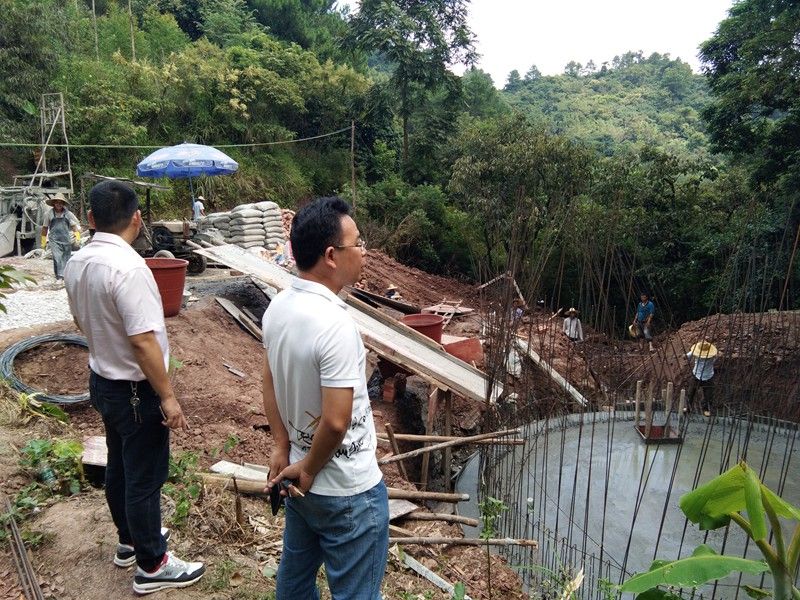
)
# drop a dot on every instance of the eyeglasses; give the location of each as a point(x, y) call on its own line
point(359, 244)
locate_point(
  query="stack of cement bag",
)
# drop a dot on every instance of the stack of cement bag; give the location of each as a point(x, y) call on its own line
point(248, 225)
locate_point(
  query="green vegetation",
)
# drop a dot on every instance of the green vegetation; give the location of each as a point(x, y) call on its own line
point(183, 486)
point(739, 496)
point(56, 464)
point(631, 175)
point(630, 104)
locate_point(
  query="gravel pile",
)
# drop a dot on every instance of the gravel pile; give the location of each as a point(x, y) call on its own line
point(34, 307)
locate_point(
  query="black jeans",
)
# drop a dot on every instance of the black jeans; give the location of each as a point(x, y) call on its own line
point(708, 392)
point(138, 463)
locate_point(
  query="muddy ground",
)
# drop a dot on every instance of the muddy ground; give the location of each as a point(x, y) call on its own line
point(226, 421)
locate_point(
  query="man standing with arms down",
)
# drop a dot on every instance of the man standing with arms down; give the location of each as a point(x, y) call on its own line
point(116, 304)
point(315, 397)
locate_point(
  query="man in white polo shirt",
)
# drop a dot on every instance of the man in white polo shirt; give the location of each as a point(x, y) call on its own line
point(315, 398)
point(116, 304)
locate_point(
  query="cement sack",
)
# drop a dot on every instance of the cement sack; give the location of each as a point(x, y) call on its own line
point(250, 244)
point(248, 210)
point(249, 227)
point(246, 238)
point(272, 221)
point(245, 220)
point(266, 205)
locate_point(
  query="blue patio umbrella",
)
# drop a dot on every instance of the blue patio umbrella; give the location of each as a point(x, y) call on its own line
point(185, 161)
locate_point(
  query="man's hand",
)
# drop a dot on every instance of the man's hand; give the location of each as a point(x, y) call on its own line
point(296, 472)
point(278, 461)
point(173, 414)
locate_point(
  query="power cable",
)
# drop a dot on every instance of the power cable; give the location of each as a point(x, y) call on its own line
point(151, 147)
point(11, 353)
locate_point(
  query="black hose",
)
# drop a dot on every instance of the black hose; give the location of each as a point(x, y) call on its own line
point(7, 366)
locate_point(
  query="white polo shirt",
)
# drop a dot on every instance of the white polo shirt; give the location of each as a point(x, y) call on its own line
point(112, 295)
point(312, 343)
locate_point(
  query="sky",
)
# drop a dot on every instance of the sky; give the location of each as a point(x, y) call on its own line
point(515, 34)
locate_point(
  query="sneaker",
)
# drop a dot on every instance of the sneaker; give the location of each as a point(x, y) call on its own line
point(173, 573)
point(126, 555)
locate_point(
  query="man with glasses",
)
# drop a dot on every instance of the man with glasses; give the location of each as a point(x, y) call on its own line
point(315, 398)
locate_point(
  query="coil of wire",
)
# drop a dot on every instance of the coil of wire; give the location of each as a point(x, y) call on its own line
point(14, 350)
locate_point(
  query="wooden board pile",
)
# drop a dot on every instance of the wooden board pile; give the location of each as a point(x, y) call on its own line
point(259, 224)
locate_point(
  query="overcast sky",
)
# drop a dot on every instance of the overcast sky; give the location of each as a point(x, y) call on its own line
point(514, 34)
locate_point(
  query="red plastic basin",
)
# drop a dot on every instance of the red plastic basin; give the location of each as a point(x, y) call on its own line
point(428, 325)
point(170, 276)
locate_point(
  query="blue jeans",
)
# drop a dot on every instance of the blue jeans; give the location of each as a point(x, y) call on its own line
point(138, 464)
point(350, 534)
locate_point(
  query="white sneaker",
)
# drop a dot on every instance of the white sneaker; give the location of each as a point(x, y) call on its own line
point(173, 573)
point(126, 555)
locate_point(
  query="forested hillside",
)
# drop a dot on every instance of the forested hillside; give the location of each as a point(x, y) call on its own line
point(629, 103)
point(634, 175)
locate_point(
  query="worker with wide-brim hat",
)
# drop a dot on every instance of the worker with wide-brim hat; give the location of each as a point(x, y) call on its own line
point(393, 292)
point(702, 356)
point(572, 327)
point(703, 349)
point(59, 227)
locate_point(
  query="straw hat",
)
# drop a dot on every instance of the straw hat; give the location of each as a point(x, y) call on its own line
point(391, 286)
point(58, 196)
point(703, 349)
point(572, 310)
point(200, 198)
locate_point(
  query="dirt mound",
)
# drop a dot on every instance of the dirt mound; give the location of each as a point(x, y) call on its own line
point(417, 287)
point(758, 362)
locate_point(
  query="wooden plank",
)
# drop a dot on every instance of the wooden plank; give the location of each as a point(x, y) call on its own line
point(403, 307)
point(240, 317)
point(412, 437)
point(444, 309)
point(396, 450)
point(433, 403)
point(95, 451)
point(413, 564)
point(448, 431)
point(525, 346)
point(440, 446)
point(427, 516)
point(399, 494)
point(387, 337)
point(400, 508)
point(449, 541)
point(248, 486)
point(234, 370)
point(225, 467)
point(638, 403)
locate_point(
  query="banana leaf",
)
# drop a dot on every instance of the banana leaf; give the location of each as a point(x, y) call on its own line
point(702, 566)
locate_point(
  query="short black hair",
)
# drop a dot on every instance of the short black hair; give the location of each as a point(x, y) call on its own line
point(315, 227)
point(113, 203)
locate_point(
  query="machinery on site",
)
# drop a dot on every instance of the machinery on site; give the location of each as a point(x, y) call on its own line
point(23, 203)
point(171, 239)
